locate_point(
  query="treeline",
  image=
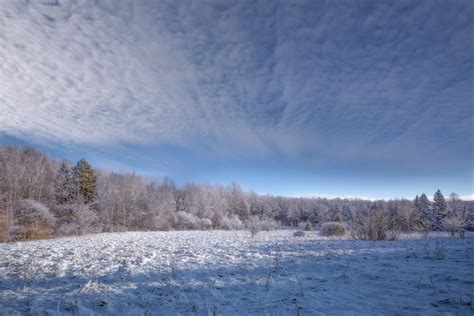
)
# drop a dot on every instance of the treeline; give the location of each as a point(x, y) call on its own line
point(41, 197)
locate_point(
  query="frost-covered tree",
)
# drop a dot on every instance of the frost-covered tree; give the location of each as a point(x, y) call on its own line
point(187, 220)
point(440, 209)
point(423, 206)
point(123, 203)
point(237, 202)
point(253, 225)
point(75, 191)
point(133, 201)
point(407, 214)
point(161, 201)
point(3, 226)
point(207, 202)
point(416, 202)
point(85, 181)
point(231, 222)
point(25, 173)
point(294, 212)
point(256, 206)
point(456, 219)
point(78, 219)
point(64, 184)
point(281, 210)
point(455, 203)
point(373, 224)
point(31, 220)
point(119, 202)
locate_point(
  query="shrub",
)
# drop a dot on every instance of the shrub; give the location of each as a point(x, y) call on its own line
point(31, 220)
point(308, 226)
point(205, 223)
point(76, 219)
point(299, 233)
point(332, 229)
point(254, 225)
point(187, 220)
point(232, 223)
point(268, 224)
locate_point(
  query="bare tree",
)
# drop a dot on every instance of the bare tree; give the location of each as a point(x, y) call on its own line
point(408, 215)
point(110, 201)
point(455, 220)
point(237, 201)
point(162, 204)
point(373, 225)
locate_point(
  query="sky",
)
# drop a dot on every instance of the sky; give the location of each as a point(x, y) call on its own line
point(299, 98)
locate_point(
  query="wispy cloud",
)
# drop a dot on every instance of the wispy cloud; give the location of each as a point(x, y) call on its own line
point(348, 197)
point(316, 82)
point(467, 197)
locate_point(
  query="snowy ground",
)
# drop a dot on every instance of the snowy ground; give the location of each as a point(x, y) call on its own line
point(228, 273)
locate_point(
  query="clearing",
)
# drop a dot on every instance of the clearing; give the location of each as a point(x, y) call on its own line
point(229, 273)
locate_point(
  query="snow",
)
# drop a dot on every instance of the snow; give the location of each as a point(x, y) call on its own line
point(229, 273)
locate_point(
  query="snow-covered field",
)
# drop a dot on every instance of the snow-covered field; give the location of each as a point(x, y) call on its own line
point(229, 273)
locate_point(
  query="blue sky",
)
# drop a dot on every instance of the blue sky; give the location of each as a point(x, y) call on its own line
point(330, 98)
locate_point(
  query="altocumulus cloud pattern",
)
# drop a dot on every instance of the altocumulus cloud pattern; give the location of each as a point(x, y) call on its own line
point(307, 81)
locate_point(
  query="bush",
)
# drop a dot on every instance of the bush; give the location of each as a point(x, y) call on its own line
point(187, 220)
point(299, 233)
point(308, 226)
point(205, 223)
point(254, 225)
point(232, 223)
point(268, 224)
point(332, 229)
point(31, 220)
point(76, 219)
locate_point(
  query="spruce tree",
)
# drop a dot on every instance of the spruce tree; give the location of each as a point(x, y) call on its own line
point(440, 209)
point(63, 184)
point(416, 202)
point(85, 181)
point(423, 205)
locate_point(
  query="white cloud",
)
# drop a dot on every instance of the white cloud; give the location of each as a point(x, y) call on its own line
point(303, 79)
point(467, 197)
point(324, 196)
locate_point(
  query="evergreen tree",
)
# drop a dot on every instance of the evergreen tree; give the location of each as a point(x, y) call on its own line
point(63, 184)
point(440, 209)
point(85, 181)
point(423, 206)
point(416, 202)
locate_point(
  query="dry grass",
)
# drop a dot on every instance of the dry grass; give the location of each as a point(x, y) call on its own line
point(3, 227)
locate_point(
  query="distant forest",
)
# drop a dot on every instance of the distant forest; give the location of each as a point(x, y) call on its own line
point(41, 197)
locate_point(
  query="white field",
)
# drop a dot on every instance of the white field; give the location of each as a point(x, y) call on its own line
point(228, 273)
